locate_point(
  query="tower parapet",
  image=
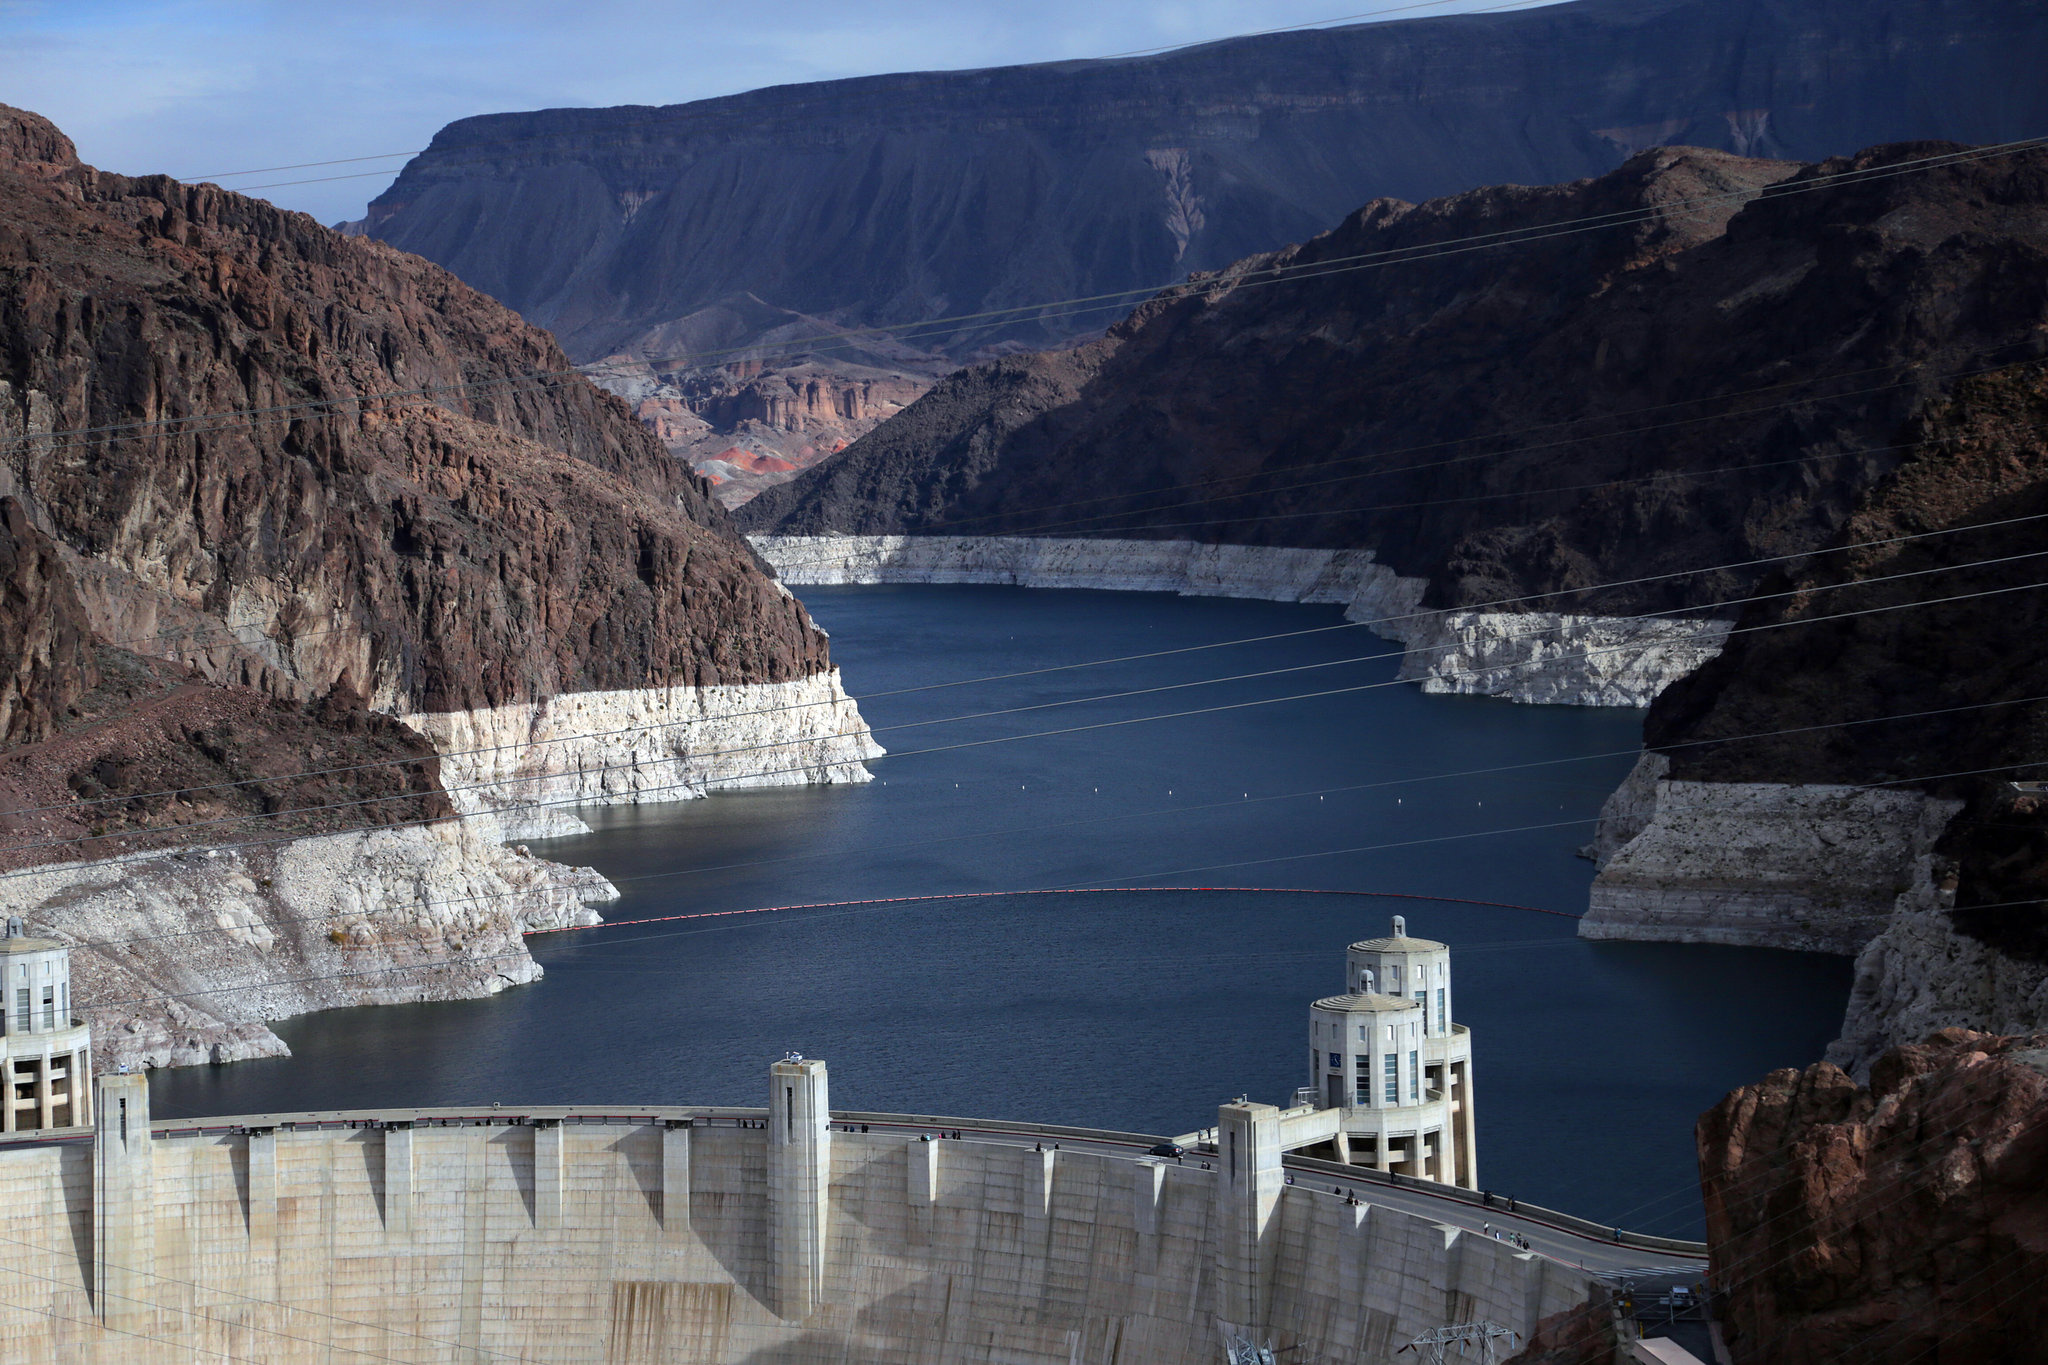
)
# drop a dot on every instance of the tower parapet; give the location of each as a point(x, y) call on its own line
point(45, 1054)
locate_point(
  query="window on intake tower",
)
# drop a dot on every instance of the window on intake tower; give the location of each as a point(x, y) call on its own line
point(1393, 1070)
point(1414, 1078)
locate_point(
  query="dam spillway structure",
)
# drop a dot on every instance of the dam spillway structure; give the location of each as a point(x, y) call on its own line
point(793, 1232)
point(45, 1054)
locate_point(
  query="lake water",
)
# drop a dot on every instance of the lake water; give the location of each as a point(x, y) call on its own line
point(1131, 1010)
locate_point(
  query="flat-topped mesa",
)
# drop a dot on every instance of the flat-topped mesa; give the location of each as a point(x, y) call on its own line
point(934, 197)
point(314, 548)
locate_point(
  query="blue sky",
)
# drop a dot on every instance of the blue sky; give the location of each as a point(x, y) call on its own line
point(201, 87)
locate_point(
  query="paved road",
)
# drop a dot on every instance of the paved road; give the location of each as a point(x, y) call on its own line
point(1653, 1271)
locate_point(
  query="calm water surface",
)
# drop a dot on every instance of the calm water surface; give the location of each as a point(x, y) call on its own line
point(1125, 1009)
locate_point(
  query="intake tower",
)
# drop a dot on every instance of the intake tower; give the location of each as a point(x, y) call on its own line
point(1390, 1068)
point(45, 1055)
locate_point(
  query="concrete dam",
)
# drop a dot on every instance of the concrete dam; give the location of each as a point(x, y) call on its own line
point(788, 1233)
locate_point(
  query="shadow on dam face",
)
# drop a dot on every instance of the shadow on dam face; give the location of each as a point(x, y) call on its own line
point(664, 1235)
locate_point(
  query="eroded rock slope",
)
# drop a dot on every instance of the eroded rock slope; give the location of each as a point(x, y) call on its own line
point(280, 509)
point(1903, 1222)
point(1551, 410)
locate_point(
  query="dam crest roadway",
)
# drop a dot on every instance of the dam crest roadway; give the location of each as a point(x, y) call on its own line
point(789, 1233)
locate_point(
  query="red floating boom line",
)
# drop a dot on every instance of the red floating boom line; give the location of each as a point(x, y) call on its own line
point(1057, 891)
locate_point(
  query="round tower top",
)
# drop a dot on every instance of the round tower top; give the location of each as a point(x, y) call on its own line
point(1399, 942)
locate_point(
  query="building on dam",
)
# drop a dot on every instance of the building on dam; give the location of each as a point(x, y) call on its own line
point(793, 1232)
point(45, 1054)
point(1390, 1070)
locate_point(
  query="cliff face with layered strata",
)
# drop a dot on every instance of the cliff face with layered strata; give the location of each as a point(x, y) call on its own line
point(749, 425)
point(278, 510)
point(1899, 1223)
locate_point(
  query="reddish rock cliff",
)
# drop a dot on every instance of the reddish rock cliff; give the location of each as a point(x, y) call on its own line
point(215, 555)
point(46, 660)
point(1903, 1223)
point(495, 530)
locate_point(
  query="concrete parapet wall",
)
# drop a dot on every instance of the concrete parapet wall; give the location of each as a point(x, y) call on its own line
point(569, 1235)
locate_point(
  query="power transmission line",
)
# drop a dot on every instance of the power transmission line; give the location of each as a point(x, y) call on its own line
point(1246, 279)
point(188, 633)
point(1059, 668)
point(1179, 810)
point(1715, 632)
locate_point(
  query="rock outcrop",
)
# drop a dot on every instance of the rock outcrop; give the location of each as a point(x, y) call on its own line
point(1861, 766)
point(185, 957)
point(530, 762)
point(1812, 866)
point(1901, 1223)
point(46, 658)
point(269, 496)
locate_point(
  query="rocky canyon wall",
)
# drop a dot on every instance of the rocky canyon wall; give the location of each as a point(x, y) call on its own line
point(1860, 783)
point(1897, 1223)
point(265, 491)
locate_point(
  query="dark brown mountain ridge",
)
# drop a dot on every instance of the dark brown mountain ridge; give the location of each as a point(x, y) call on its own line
point(900, 198)
point(491, 540)
point(1714, 374)
point(658, 240)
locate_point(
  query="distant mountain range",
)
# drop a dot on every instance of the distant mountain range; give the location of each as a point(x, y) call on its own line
point(903, 198)
point(752, 228)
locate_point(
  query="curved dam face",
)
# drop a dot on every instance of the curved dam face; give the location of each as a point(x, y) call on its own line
point(672, 1235)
